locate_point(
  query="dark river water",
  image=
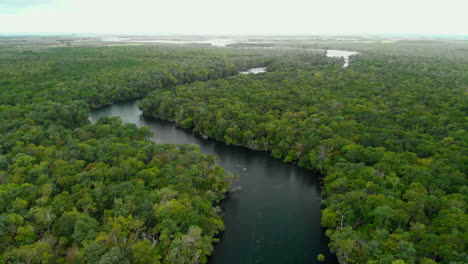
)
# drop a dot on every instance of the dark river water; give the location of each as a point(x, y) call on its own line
point(275, 218)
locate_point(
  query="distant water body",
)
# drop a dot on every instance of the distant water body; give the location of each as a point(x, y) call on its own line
point(342, 53)
point(254, 70)
point(221, 42)
point(212, 42)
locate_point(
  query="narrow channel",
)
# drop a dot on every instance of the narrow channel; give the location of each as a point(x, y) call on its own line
point(275, 218)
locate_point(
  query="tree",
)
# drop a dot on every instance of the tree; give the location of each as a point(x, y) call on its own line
point(320, 258)
point(39, 252)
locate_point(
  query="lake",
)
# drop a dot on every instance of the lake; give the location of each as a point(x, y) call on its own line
point(274, 219)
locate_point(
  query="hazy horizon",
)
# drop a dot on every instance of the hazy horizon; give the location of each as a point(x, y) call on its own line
point(230, 18)
point(277, 35)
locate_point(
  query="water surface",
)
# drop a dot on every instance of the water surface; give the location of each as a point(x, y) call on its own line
point(342, 53)
point(254, 70)
point(216, 42)
point(274, 219)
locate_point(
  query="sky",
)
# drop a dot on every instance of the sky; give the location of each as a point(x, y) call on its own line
point(234, 17)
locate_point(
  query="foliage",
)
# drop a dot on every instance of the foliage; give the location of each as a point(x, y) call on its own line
point(71, 192)
point(108, 198)
point(388, 133)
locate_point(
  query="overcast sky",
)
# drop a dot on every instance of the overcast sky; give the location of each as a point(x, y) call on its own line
point(235, 16)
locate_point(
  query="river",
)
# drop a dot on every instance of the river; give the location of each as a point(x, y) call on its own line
point(274, 219)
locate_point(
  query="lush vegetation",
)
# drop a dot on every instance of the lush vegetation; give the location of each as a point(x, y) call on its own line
point(104, 75)
point(389, 134)
point(71, 192)
point(104, 194)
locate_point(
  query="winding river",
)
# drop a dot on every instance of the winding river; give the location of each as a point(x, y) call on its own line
point(275, 218)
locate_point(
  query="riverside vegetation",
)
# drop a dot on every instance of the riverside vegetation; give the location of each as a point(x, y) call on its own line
point(71, 192)
point(388, 133)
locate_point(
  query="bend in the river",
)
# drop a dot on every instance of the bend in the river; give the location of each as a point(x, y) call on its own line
point(276, 216)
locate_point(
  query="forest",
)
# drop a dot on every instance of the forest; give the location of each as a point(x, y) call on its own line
point(72, 192)
point(388, 134)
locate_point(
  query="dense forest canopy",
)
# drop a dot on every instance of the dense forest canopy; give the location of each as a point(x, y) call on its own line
point(71, 192)
point(388, 133)
point(78, 193)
